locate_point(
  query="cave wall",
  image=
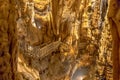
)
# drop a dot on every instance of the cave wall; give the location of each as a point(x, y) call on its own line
point(113, 17)
point(57, 37)
point(8, 40)
point(80, 27)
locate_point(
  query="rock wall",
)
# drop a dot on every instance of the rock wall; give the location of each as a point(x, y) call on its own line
point(94, 31)
point(58, 38)
point(113, 16)
point(104, 59)
point(77, 31)
point(8, 40)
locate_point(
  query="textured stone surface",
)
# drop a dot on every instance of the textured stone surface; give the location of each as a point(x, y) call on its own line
point(8, 40)
point(113, 16)
point(60, 39)
point(79, 25)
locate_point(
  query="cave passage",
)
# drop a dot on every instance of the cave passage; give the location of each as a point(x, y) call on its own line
point(59, 40)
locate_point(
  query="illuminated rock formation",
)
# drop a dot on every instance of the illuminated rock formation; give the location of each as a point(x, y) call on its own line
point(59, 39)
